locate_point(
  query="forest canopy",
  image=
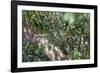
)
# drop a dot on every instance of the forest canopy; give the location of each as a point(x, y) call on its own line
point(55, 36)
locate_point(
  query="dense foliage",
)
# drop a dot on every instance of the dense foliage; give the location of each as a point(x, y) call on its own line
point(51, 36)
